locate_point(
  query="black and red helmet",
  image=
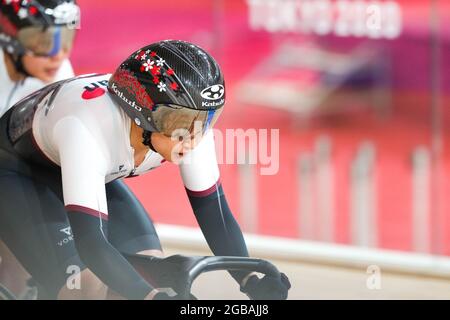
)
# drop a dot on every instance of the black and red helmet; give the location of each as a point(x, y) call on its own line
point(42, 27)
point(169, 85)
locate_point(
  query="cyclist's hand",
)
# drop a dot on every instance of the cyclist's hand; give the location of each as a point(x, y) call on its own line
point(267, 288)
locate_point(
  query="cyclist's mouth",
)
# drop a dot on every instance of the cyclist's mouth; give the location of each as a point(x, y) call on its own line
point(51, 72)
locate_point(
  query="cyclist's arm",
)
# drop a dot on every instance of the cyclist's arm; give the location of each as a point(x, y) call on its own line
point(83, 176)
point(201, 177)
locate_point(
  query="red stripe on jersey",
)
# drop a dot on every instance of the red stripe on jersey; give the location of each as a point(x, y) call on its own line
point(204, 193)
point(89, 211)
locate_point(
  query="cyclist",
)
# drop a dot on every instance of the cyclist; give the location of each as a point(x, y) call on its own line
point(36, 37)
point(66, 147)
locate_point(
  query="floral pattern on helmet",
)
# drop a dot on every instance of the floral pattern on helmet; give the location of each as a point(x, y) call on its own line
point(164, 77)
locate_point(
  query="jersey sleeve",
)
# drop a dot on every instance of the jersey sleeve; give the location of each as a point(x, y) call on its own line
point(83, 167)
point(199, 169)
point(65, 71)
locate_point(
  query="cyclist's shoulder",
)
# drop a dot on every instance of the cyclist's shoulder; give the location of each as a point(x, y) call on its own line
point(83, 86)
point(84, 90)
point(73, 87)
point(69, 96)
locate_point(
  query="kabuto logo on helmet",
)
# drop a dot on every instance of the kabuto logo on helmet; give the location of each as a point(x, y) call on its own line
point(122, 96)
point(214, 92)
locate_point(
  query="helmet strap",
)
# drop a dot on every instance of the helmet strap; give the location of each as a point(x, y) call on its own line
point(147, 139)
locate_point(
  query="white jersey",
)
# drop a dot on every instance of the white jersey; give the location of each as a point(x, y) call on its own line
point(79, 127)
point(13, 91)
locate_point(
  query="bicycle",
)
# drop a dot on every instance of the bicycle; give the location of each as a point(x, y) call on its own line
point(178, 272)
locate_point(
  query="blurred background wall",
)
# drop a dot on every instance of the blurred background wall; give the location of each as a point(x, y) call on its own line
point(359, 90)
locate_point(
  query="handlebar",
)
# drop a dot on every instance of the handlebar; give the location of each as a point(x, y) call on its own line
point(207, 264)
point(179, 272)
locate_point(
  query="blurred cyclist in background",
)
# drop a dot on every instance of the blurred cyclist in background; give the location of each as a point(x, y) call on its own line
point(36, 38)
point(65, 148)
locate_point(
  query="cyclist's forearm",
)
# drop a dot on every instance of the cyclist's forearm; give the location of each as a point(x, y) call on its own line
point(221, 231)
point(104, 260)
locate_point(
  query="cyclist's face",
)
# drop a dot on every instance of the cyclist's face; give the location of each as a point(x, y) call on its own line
point(44, 68)
point(174, 148)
